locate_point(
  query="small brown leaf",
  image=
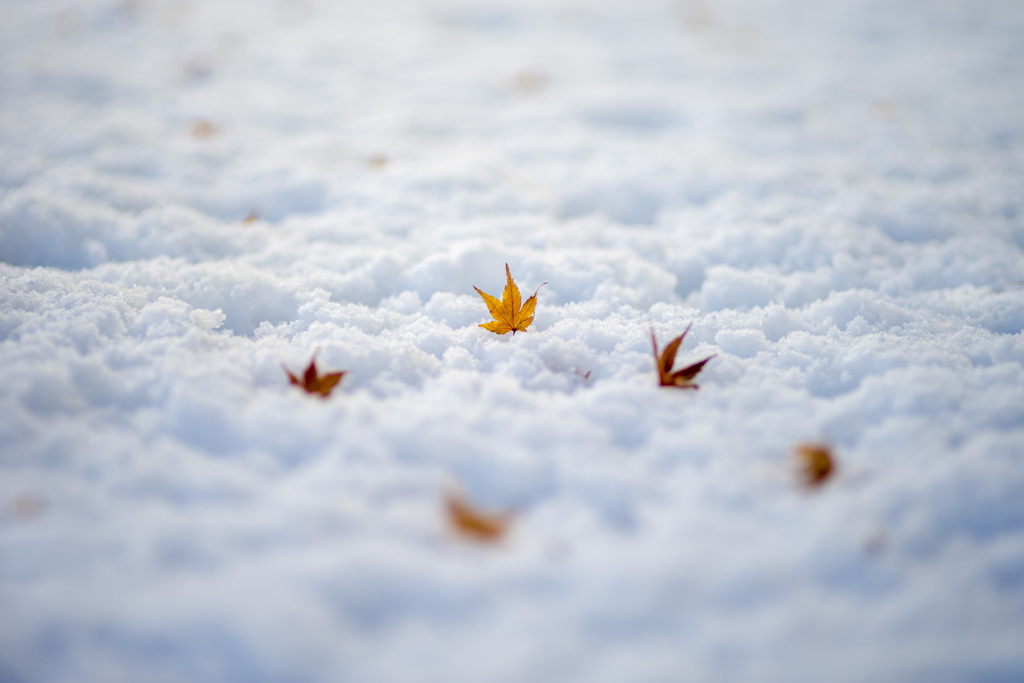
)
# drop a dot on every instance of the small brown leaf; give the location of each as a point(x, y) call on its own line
point(884, 109)
point(28, 506)
point(313, 382)
point(682, 379)
point(205, 128)
point(530, 81)
point(468, 521)
point(816, 463)
point(511, 314)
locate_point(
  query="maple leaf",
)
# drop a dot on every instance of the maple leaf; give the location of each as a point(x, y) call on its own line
point(511, 314)
point(473, 523)
point(816, 463)
point(682, 379)
point(313, 382)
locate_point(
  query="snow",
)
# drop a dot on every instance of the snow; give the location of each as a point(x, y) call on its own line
point(829, 192)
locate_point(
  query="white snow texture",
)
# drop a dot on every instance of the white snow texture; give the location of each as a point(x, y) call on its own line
point(831, 192)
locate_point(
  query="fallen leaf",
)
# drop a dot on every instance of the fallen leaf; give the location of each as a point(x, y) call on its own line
point(816, 463)
point(530, 81)
point(511, 314)
point(884, 109)
point(468, 521)
point(251, 217)
point(682, 379)
point(313, 382)
point(28, 506)
point(205, 128)
point(377, 161)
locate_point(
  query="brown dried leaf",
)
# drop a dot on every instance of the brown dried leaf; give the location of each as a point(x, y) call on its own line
point(511, 314)
point(884, 109)
point(313, 382)
point(682, 379)
point(471, 522)
point(816, 463)
point(28, 506)
point(530, 81)
point(205, 128)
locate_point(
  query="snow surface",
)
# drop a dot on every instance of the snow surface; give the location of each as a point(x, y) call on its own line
point(833, 193)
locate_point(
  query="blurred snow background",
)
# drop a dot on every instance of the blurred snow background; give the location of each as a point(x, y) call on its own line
point(831, 192)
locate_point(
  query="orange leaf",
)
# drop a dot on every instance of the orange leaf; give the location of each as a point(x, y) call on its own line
point(473, 523)
point(682, 379)
point(313, 382)
point(816, 463)
point(511, 314)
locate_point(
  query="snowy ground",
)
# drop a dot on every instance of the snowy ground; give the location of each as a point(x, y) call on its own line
point(832, 192)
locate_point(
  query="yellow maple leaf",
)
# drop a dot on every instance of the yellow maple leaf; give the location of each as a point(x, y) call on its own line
point(313, 382)
point(511, 314)
point(683, 379)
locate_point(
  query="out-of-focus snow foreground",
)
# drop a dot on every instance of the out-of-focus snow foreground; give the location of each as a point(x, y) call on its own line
point(830, 192)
